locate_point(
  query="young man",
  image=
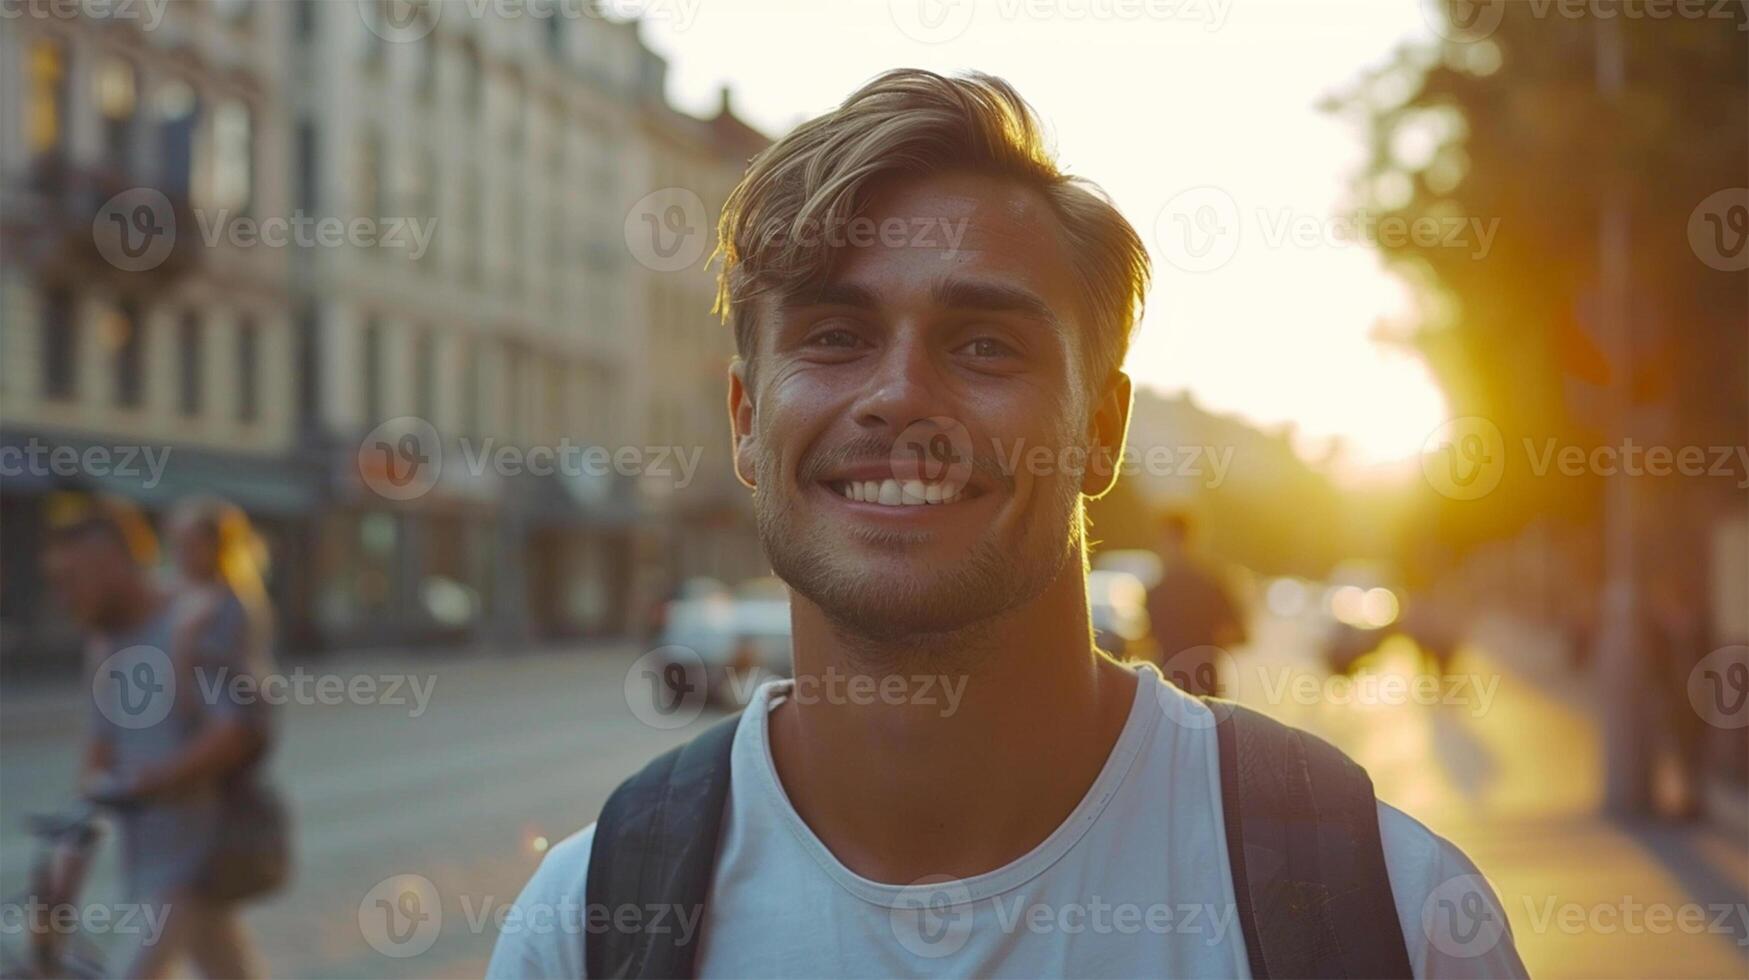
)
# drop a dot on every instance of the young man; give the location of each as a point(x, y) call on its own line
point(157, 748)
point(931, 320)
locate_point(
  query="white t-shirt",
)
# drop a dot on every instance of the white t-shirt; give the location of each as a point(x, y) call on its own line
point(1134, 883)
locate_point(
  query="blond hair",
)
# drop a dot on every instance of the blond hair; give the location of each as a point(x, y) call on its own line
point(911, 122)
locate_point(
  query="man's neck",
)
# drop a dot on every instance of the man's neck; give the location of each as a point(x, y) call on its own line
point(958, 758)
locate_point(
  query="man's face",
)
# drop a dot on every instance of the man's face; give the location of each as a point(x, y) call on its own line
point(886, 407)
point(87, 571)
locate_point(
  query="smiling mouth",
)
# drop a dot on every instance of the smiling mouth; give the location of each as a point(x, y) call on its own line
point(898, 493)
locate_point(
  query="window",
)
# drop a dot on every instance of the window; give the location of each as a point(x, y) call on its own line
point(230, 158)
point(117, 89)
point(308, 368)
point(60, 345)
point(45, 117)
point(472, 78)
point(369, 179)
point(308, 164)
point(248, 370)
point(126, 337)
point(372, 378)
point(425, 375)
point(177, 109)
point(191, 351)
point(472, 423)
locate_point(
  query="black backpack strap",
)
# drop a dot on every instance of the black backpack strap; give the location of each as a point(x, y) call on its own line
point(654, 849)
point(1303, 840)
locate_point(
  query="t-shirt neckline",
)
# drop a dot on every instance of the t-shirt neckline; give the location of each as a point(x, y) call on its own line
point(754, 744)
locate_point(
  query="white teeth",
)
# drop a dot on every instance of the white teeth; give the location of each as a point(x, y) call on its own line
point(892, 493)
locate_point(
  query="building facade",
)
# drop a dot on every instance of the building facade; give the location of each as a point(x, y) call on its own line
point(135, 356)
point(400, 322)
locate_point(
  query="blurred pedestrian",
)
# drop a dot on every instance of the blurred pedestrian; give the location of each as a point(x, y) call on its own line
point(1193, 616)
point(169, 737)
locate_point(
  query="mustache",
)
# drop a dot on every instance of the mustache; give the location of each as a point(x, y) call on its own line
point(875, 449)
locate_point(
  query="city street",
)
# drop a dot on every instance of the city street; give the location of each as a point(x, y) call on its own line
point(510, 750)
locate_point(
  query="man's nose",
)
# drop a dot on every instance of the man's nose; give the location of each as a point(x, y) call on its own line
point(903, 388)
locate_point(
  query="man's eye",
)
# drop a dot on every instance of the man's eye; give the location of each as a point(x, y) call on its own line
point(834, 338)
point(988, 347)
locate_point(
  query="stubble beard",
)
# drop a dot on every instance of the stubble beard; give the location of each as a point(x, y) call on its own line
point(926, 607)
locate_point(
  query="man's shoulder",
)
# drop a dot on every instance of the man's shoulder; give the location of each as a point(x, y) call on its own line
point(1452, 920)
point(544, 936)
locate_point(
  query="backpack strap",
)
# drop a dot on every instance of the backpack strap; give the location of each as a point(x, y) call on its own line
point(655, 847)
point(1314, 899)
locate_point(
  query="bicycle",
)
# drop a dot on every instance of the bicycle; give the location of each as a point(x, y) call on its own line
point(48, 909)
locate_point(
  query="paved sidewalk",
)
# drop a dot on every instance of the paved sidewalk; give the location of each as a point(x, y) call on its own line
point(1509, 769)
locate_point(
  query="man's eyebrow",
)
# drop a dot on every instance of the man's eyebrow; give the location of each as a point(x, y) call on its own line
point(993, 297)
point(831, 294)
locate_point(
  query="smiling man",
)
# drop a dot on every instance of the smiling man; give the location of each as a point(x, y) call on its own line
point(1068, 815)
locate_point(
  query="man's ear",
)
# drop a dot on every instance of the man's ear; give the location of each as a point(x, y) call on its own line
point(741, 446)
point(1110, 429)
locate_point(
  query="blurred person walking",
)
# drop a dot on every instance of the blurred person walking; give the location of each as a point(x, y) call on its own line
point(1192, 614)
point(172, 740)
